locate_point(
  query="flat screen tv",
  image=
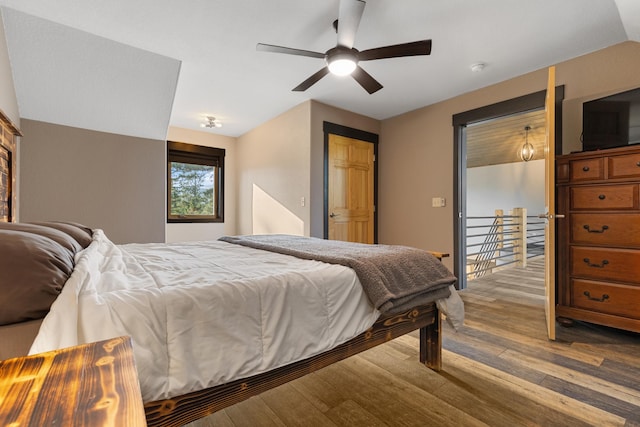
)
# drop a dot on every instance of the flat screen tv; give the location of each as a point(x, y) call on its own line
point(612, 121)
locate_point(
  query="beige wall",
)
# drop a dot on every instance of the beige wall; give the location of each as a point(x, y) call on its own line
point(416, 149)
point(273, 175)
point(282, 161)
point(208, 231)
point(103, 180)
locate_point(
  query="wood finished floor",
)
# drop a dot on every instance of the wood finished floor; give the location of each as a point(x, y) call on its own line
point(498, 370)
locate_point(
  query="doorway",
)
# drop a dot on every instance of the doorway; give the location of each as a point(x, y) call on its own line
point(350, 184)
point(461, 122)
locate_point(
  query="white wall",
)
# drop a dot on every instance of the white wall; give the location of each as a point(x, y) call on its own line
point(177, 232)
point(506, 186)
point(8, 102)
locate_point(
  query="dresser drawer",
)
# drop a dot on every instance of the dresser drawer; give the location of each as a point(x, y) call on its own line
point(606, 263)
point(627, 166)
point(607, 298)
point(624, 196)
point(586, 170)
point(606, 229)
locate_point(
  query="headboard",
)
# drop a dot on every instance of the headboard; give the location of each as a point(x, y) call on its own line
point(8, 141)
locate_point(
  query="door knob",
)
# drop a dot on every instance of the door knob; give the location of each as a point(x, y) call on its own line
point(550, 216)
point(332, 215)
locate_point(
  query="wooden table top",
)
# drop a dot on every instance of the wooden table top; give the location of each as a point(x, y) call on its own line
point(88, 385)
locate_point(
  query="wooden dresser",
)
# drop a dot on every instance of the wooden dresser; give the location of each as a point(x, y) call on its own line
point(599, 239)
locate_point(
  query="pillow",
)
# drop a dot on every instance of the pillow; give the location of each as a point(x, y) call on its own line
point(34, 270)
point(83, 235)
point(63, 239)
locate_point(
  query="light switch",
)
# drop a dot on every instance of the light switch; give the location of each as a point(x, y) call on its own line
point(438, 202)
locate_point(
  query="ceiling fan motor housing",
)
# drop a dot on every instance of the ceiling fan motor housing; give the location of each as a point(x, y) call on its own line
point(341, 60)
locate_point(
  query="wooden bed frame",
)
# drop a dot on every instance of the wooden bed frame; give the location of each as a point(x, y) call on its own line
point(189, 407)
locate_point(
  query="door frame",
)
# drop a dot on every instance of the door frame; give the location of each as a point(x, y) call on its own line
point(348, 132)
point(521, 104)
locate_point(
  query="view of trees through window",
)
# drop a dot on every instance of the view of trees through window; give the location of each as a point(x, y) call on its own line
point(195, 183)
point(192, 189)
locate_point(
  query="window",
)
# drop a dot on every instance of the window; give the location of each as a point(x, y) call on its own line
point(195, 183)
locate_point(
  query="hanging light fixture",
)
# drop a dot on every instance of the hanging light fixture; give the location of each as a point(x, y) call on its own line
point(527, 151)
point(211, 122)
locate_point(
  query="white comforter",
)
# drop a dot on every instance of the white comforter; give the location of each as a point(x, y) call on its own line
point(204, 313)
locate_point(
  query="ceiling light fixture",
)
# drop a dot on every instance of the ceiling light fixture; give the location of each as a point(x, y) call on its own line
point(211, 122)
point(477, 67)
point(527, 151)
point(341, 61)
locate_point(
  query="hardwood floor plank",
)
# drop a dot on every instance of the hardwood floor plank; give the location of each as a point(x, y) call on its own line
point(349, 413)
point(621, 373)
point(218, 419)
point(491, 412)
point(302, 414)
point(598, 385)
point(519, 340)
point(375, 400)
point(423, 404)
point(536, 393)
point(503, 399)
point(253, 412)
point(599, 400)
point(623, 354)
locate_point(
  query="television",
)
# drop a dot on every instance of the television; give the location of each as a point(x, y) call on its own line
point(612, 121)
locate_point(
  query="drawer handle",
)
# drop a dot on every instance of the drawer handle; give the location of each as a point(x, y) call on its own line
point(588, 295)
point(585, 168)
point(602, 230)
point(602, 197)
point(638, 164)
point(604, 262)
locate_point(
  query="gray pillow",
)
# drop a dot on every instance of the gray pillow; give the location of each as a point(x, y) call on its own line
point(83, 235)
point(34, 270)
point(62, 238)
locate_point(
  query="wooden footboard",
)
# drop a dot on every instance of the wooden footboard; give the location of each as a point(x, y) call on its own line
point(189, 407)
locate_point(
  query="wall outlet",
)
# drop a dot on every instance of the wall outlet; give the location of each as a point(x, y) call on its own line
point(438, 202)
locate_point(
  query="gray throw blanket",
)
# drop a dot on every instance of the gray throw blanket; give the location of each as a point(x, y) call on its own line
point(395, 278)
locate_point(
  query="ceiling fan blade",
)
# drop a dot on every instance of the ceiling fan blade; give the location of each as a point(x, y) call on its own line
point(288, 50)
point(311, 80)
point(369, 84)
point(349, 17)
point(422, 47)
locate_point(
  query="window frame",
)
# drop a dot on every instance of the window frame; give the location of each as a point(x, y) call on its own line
point(181, 152)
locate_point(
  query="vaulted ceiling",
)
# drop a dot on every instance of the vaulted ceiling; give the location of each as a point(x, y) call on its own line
point(136, 67)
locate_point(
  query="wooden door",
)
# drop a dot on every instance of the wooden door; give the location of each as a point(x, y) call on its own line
point(550, 208)
point(350, 190)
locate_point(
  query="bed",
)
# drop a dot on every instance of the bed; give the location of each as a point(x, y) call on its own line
point(214, 323)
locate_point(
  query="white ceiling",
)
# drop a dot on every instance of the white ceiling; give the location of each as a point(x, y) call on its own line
point(134, 66)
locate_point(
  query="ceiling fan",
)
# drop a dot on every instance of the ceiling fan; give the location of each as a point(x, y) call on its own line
point(343, 59)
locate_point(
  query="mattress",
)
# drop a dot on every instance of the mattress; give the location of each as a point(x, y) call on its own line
point(204, 313)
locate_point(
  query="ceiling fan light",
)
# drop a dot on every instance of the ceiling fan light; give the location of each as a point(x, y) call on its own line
point(342, 66)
